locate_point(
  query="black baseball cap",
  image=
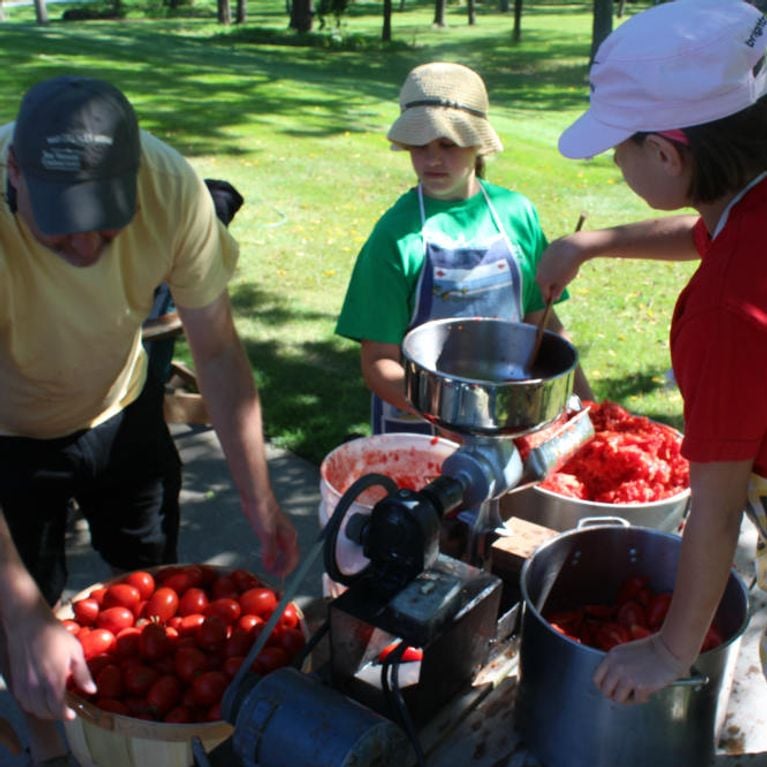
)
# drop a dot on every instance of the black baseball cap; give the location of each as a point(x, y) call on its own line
point(76, 142)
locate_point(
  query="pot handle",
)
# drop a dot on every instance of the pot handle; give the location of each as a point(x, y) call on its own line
point(696, 679)
point(599, 521)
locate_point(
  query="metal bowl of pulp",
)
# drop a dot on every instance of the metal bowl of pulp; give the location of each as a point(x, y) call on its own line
point(470, 375)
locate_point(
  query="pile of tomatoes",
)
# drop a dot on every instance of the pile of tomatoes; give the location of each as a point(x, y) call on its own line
point(630, 459)
point(164, 645)
point(636, 613)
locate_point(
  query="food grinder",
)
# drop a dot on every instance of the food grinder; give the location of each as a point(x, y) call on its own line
point(467, 377)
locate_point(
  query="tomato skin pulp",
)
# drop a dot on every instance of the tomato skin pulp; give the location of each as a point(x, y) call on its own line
point(636, 613)
point(630, 459)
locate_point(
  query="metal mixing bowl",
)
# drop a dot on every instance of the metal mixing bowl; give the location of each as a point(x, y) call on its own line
point(561, 512)
point(469, 375)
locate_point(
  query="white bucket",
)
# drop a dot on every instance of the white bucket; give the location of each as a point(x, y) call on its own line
point(411, 460)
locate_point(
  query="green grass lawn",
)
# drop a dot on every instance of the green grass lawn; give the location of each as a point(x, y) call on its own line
point(300, 130)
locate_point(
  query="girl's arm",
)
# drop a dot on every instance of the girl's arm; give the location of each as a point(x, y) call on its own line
point(383, 372)
point(633, 671)
point(661, 239)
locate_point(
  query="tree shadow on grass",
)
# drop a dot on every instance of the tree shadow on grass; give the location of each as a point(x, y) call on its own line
point(621, 390)
point(312, 390)
point(201, 86)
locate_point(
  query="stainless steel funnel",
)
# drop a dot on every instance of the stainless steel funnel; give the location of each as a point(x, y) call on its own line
point(469, 375)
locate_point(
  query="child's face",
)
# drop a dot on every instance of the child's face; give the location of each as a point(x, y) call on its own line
point(445, 170)
point(654, 170)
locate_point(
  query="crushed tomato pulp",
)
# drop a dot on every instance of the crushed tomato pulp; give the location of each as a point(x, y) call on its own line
point(630, 459)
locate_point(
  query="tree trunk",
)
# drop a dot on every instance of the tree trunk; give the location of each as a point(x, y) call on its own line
point(41, 12)
point(471, 9)
point(241, 14)
point(224, 12)
point(2, 11)
point(621, 8)
point(517, 33)
point(603, 24)
point(301, 15)
point(439, 13)
point(386, 31)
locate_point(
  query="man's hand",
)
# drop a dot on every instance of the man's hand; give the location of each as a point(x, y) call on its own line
point(42, 655)
point(279, 540)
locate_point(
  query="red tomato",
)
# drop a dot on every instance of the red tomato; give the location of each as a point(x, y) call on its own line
point(226, 608)
point(213, 714)
point(208, 687)
point(409, 654)
point(138, 678)
point(271, 658)
point(112, 705)
point(209, 575)
point(154, 642)
point(121, 595)
point(564, 632)
point(224, 586)
point(179, 715)
point(631, 613)
point(141, 580)
point(183, 579)
point(115, 619)
point(632, 588)
point(127, 642)
point(260, 601)
point(195, 600)
point(97, 641)
point(109, 681)
point(73, 627)
point(239, 643)
point(212, 633)
point(608, 635)
point(568, 622)
point(293, 641)
point(138, 610)
point(98, 594)
point(189, 662)
point(639, 632)
point(162, 605)
point(657, 609)
point(244, 580)
point(290, 617)
point(601, 612)
point(164, 694)
point(138, 707)
point(86, 611)
point(232, 665)
point(251, 624)
point(712, 639)
point(190, 624)
point(98, 662)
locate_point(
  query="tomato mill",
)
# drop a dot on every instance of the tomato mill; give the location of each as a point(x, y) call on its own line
point(369, 703)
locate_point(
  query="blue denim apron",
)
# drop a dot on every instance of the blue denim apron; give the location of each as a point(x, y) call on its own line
point(458, 279)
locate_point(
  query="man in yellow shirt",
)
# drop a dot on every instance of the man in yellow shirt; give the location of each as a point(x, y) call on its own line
point(98, 214)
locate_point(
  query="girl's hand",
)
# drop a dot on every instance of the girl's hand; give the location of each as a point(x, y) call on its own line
point(632, 672)
point(560, 263)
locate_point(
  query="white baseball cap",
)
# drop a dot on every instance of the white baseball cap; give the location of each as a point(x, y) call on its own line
point(675, 65)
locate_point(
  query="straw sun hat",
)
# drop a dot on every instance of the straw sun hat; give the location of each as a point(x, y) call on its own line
point(443, 100)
